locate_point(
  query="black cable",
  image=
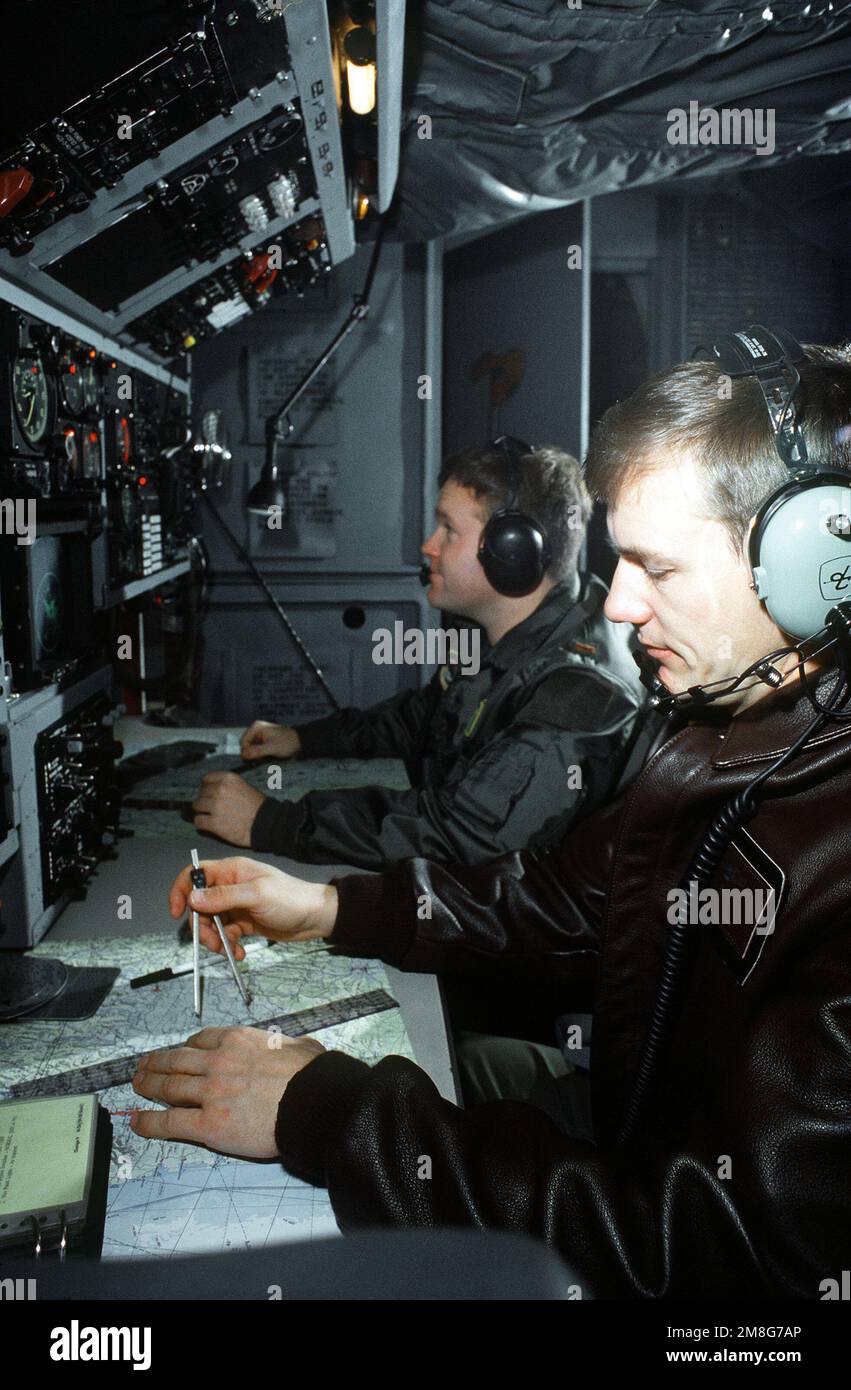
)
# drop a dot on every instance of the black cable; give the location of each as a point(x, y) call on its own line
point(833, 698)
point(695, 695)
point(365, 293)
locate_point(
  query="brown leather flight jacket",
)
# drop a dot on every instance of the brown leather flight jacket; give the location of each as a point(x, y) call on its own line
point(739, 1181)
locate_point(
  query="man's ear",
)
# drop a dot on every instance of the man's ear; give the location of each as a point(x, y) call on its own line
point(746, 544)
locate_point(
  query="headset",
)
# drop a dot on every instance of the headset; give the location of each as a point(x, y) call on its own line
point(514, 550)
point(800, 545)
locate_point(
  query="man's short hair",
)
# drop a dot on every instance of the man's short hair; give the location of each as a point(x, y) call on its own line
point(724, 424)
point(552, 492)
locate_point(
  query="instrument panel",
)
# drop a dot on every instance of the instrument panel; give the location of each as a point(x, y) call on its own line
point(51, 428)
point(78, 795)
point(298, 259)
point(76, 148)
point(91, 437)
point(160, 195)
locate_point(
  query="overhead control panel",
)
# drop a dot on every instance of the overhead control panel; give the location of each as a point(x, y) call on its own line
point(183, 186)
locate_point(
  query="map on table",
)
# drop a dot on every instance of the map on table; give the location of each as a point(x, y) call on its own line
point(169, 1198)
point(297, 778)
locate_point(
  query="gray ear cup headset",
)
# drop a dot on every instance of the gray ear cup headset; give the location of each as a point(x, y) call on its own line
point(800, 545)
point(514, 550)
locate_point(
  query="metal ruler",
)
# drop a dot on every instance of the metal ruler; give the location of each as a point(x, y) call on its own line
point(119, 1071)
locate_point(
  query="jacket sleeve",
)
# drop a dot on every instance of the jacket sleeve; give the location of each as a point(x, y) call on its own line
point(525, 787)
point(526, 907)
point(667, 1218)
point(392, 729)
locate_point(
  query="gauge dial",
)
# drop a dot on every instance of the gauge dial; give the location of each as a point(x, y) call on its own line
point(72, 453)
point(31, 396)
point(91, 454)
point(122, 439)
point(91, 385)
point(71, 384)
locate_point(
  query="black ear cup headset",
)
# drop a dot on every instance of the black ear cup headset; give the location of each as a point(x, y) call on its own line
point(800, 544)
point(514, 550)
point(800, 554)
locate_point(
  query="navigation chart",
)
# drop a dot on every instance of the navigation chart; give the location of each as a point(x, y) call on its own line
point(166, 1198)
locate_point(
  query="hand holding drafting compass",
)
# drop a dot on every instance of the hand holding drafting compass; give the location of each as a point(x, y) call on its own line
point(199, 880)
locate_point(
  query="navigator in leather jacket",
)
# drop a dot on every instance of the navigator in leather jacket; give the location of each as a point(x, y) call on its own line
point(739, 1181)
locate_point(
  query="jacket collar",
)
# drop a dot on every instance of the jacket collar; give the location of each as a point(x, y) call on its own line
point(566, 605)
point(766, 730)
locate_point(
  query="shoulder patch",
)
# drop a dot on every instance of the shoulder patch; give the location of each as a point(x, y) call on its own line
point(574, 701)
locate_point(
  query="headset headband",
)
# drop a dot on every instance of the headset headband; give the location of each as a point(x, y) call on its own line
point(770, 358)
point(513, 450)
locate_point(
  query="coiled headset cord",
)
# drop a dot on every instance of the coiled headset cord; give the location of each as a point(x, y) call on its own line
point(737, 812)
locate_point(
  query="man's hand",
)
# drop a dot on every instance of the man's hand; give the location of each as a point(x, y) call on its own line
point(226, 806)
point(223, 1087)
point(264, 740)
point(254, 900)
